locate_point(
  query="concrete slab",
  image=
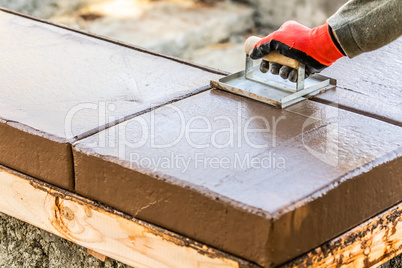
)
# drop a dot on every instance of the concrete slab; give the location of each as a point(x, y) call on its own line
point(255, 181)
point(58, 85)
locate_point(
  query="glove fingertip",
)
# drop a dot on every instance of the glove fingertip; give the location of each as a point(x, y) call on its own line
point(293, 76)
point(260, 51)
point(254, 54)
point(264, 66)
point(275, 67)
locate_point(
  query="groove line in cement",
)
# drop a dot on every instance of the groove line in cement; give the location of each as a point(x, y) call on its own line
point(131, 116)
point(357, 111)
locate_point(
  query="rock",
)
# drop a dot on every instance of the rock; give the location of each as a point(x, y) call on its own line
point(43, 8)
point(175, 28)
point(272, 13)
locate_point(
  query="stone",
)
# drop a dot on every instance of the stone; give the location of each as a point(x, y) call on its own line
point(273, 13)
point(58, 85)
point(175, 28)
point(43, 8)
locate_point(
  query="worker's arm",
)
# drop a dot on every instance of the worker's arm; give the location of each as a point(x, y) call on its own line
point(365, 25)
point(359, 26)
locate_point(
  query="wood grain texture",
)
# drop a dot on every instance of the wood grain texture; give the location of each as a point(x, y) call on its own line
point(130, 241)
point(97, 255)
point(370, 244)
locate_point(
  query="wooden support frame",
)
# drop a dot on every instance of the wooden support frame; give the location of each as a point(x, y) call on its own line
point(370, 244)
point(97, 255)
point(107, 232)
point(103, 230)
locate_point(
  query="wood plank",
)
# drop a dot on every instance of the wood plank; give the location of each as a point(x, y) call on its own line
point(370, 244)
point(101, 229)
point(97, 255)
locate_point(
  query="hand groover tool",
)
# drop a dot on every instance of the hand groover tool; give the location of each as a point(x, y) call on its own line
point(269, 88)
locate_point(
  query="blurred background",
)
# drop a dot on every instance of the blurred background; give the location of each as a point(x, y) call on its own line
point(209, 32)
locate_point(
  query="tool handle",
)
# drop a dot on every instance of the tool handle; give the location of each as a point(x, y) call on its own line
point(274, 56)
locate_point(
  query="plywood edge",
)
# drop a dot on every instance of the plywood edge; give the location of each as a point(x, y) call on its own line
point(370, 244)
point(102, 229)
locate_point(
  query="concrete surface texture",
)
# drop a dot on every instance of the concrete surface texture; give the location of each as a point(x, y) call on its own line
point(58, 85)
point(342, 147)
point(245, 177)
point(368, 84)
point(304, 174)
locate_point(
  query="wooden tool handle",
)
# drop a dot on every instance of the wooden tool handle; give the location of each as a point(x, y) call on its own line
point(274, 56)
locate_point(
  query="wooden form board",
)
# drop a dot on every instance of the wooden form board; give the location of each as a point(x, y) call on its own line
point(140, 244)
point(103, 230)
point(370, 244)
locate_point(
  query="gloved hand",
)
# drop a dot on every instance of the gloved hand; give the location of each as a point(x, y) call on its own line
point(317, 48)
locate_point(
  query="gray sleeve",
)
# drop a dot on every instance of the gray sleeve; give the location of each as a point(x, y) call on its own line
point(365, 25)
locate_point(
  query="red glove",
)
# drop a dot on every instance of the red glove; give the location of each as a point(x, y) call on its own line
point(316, 48)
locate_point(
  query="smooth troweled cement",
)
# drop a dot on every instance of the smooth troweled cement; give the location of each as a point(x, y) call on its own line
point(57, 85)
point(369, 84)
point(244, 177)
point(258, 182)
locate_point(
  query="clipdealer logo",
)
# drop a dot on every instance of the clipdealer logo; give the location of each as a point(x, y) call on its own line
point(329, 142)
point(239, 131)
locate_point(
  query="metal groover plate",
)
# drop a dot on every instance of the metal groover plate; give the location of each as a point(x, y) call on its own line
point(272, 89)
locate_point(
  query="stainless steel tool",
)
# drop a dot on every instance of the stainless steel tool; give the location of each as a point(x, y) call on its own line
point(272, 89)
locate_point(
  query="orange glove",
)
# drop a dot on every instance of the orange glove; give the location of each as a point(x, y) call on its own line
point(316, 48)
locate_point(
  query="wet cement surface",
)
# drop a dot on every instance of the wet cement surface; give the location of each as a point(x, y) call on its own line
point(369, 84)
point(58, 85)
point(259, 182)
